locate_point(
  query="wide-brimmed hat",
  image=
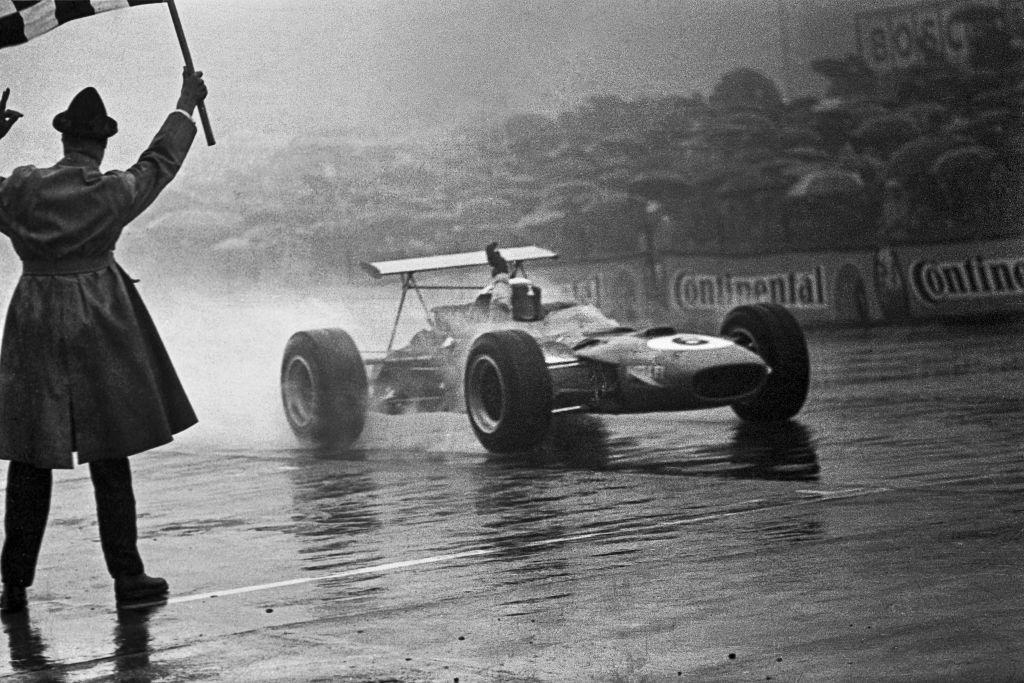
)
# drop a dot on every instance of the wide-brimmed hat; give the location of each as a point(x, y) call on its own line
point(86, 117)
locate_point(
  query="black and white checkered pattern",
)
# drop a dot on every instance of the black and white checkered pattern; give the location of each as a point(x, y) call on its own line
point(23, 20)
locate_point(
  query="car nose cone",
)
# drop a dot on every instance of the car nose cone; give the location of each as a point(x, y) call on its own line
point(688, 342)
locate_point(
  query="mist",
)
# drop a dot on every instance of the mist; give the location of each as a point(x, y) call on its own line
point(227, 345)
point(278, 69)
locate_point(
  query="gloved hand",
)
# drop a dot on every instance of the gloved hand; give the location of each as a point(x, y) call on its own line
point(7, 116)
point(497, 263)
point(193, 90)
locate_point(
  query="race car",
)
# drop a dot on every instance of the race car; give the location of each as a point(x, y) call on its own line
point(512, 370)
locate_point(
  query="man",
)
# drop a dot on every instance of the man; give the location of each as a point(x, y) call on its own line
point(498, 293)
point(82, 368)
point(504, 296)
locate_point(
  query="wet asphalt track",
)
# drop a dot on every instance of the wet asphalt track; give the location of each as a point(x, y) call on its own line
point(879, 536)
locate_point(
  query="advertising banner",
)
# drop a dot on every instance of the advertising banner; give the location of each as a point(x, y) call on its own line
point(892, 284)
point(963, 279)
point(616, 286)
point(898, 37)
point(818, 287)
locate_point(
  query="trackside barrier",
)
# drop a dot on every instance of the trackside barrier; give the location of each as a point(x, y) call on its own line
point(892, 284)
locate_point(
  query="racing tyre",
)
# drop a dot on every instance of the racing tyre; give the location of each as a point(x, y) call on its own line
point(770, 331)
point(324, 387)
point(508, 391)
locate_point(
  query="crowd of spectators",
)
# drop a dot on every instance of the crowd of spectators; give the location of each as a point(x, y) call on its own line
point(928, 153)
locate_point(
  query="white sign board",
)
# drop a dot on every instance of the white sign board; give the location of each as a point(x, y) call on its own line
point(898, 37)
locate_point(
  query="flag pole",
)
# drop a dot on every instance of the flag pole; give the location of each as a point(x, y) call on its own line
point(191, 68)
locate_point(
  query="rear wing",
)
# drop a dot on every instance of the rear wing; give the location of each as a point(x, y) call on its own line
point(446, 261)
point(408, 267)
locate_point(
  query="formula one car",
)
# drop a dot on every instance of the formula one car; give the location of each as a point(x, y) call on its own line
point(511, 371)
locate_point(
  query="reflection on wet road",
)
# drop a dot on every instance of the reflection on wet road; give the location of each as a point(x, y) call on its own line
point(885, 519)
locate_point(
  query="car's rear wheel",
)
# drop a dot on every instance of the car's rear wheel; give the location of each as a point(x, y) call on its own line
point(770, 331)
point(324, 387)
point(508, 391)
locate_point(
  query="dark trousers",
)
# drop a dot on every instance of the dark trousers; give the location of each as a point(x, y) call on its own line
point(28, 506)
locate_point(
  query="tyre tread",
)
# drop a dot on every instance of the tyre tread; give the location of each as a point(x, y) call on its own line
point(783, 346)
point(520, 358)
point(340, 382)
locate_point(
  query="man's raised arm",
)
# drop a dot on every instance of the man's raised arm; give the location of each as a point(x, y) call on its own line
point(160, 162)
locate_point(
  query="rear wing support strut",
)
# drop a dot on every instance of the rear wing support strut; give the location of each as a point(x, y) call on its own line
point(409, 282)
point(407, 268)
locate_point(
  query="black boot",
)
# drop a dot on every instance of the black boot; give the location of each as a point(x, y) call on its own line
point(13, 599)
point(139, 588)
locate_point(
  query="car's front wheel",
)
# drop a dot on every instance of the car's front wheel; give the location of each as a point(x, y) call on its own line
point(770, 331)
point(508, 391)
point(324, 387)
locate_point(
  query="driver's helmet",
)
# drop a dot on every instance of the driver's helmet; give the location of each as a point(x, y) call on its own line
point(525, 296)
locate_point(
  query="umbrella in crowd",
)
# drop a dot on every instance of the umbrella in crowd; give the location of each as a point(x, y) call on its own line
point(927, 115)
point(617, 177)
point(746, 89)
point(1007, 97)
point(964, 170)
point(798, 161)
point(662, 186)
point(521, 198)
point(886, 134)
point(570, 192)
point(858, 108)
point(742, 129)
point(870, 169)
point(799, 137)
point(626, 145)
point(570, 164)
point(527, 181)
point(749, 180)
point(989, 127)
point(614, 206)
point(484, 209)
point(539, 221)
point(914, 159)
point(832, 182)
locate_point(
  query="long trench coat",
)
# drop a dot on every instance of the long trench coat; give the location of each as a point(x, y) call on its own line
point(82, 367)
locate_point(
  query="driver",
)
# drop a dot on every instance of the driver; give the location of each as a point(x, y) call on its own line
point(508, 297)
point(497, 295)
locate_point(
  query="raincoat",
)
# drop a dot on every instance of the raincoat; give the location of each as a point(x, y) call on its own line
point(82, 367)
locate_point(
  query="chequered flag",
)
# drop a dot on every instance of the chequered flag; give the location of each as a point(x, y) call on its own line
point(23, 20)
